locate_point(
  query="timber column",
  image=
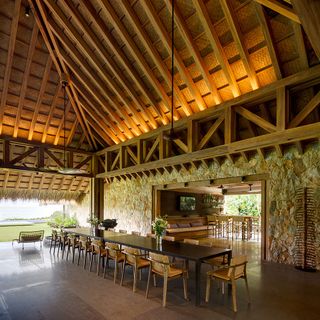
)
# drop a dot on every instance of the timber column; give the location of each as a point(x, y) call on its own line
point(97, 191)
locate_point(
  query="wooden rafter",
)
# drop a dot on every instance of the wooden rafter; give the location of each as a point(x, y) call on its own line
point(184, 73)
point(134, 51)
point(183, 28)
point(42, 22)
point(150, 48)
point(216, 45)
point(40, 96)
point(110, 40)
point(32, 46)
point(267, 35)
point(282, 9)
point(12, 42)
point(239, 40)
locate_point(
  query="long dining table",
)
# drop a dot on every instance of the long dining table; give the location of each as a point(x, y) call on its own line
point(170, 248)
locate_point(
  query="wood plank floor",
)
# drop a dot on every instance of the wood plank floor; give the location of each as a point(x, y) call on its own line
point(35, 284)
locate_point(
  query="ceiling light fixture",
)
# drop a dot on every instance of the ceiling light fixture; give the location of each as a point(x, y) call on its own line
point(27, 11)
point(65, 169)
point(172, 135)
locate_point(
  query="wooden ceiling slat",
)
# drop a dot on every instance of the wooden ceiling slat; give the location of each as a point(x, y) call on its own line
point(40, 96)
point(8, 69)
point(216, 45)
point(89, 54)
point(112, 43)
point(134, 51)
point(183, 28)
point(184, 73)
point(54, 50)
point(238, 38)
point(32, 46)
point(130, 14)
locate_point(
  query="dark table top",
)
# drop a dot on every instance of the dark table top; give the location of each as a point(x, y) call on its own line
point(170, 248)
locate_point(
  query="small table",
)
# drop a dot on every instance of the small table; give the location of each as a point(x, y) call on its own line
point(170, 248)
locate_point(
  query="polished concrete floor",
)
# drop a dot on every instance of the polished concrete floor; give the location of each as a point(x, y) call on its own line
point(35, 284)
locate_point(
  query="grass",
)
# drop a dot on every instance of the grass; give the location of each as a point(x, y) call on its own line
point(8, 233)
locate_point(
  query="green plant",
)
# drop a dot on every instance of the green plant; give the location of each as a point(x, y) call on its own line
point(159, 225)
point(94, 221)
point(59, 220)
point(243, 204)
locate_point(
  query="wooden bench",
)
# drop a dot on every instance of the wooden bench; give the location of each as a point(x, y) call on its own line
point(30, 236)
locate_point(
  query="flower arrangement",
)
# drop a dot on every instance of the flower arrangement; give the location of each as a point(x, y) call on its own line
point(159, 225)
point(94, 221)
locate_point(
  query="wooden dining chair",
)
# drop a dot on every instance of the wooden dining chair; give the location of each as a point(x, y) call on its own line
point(114, 253)
point(217, 262)
point(160, 265)
point(135, 258)
point(84, 249)
point(72, 244)
point(98, 250)
point(230, 274)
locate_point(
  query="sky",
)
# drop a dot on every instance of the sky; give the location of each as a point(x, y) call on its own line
point(26, 209)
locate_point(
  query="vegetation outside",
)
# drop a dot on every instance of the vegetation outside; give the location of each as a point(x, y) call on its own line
point(243, 204)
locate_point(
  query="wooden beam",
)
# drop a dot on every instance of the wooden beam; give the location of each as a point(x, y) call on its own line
point(9, 61)
point(240, 42)
point(42, 21)
point(181, 145)
point(45, 78)
point(210, 132)
point(301, 48)
point(289, 136)
point(191, 45)
point(152, 149)
point(183, 72)
point(111, 41)
point(193, 135)
point(282, 108)
point(26, 73)
point(269, 40)
point(251, 97)
point(23, 155)
point(281, 9)
point(216, 45)
point(104, 75)
point(152, 51)
point(311, 105)
point(229, 125)
point(49, 117)
point(309, 13)
point(255, 119)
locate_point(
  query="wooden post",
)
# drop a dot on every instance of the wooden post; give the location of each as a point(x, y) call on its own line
point(97, 191)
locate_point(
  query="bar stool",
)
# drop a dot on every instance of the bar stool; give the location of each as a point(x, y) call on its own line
point(55, 239)
point(72, 243)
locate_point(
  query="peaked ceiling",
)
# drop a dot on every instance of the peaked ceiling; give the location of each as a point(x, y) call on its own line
point(117, 58)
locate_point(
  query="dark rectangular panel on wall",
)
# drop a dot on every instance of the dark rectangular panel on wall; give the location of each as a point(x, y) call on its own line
point(169, 204)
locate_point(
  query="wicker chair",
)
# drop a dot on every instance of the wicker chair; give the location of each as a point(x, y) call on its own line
point(160, 265)
point(134, 258)
point(114, 253)
point(230, 274)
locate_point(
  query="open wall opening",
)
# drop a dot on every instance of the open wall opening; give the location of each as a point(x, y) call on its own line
point(234, 212)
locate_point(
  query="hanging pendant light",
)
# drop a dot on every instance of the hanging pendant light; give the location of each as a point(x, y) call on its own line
point(65, 169)
point(172, 135)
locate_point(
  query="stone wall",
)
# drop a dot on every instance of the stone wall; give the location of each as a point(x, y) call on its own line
point(130, 201)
